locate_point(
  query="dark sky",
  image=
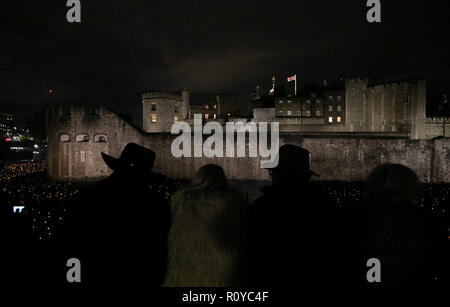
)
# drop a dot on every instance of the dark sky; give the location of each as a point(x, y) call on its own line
point(122, 48)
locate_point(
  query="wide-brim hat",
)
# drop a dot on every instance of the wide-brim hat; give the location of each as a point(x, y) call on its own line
point(134, 160)
point(294, 158)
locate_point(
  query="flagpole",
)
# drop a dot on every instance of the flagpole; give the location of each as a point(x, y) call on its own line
point(295, 92)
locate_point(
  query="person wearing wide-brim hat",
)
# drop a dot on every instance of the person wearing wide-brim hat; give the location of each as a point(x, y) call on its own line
point(136, 162)
point(293, 166)
point(120, 224)
point(286, 224)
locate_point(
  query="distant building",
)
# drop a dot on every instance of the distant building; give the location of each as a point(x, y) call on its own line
point(208, 110)
point(358, 106)
point(327, 109)
point(6, 120)
point(224, 107)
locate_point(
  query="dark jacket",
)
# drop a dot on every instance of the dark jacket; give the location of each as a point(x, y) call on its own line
point(291, 238)
point(411, 244)
point(118, 229)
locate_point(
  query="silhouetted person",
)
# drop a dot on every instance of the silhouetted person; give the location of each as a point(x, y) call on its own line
point(291, 227)
point(208, 232)
point(120, 224)
point(410, 244)
point(389, 225)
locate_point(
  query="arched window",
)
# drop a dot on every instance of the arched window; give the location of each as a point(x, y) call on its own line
point(100, 138)
point(82, 138)
point(64, 138)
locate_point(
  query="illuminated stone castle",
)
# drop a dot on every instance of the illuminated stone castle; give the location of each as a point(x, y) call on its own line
point(394, 108)
point(348, 132)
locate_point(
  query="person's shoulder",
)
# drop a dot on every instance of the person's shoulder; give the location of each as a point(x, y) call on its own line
point(263, 202)
point(177, 199)
point(179, 195)
point(234, 195)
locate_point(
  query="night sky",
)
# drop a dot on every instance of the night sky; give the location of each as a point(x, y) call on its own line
point(123, 48)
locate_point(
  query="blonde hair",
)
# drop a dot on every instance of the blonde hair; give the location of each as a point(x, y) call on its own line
point(393, 184)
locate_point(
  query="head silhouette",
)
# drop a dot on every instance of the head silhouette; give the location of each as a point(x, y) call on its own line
point(293, 166)
point(209, 177)
point(392, 184)
point(135, 162)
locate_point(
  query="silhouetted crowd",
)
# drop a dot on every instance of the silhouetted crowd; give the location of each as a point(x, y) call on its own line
point(129, 230)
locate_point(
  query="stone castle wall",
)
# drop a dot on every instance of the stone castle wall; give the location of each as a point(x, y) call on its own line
point(69, 159)
point(338, 156)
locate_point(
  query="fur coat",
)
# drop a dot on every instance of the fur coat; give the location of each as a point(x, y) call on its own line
point(206, 239)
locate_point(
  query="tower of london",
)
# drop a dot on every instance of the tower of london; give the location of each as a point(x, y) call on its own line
point(361, 124)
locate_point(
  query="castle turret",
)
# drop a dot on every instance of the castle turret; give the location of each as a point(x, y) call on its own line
point(161, 109)
point(419, 110)
point(355, 104)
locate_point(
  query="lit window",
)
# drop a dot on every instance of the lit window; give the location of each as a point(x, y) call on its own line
point(308, 113)
point(206, 116)
point(280, 101)
point(289, 101)
point(339, 98)
point(82, 138)
point(330, 108)
point(175, 119)
point(338, 119)
point(153, 107)
point(83, 156)
point(215, 116)
point(289, 112)
point(215, 106)
point(330, 119)
point(100, 138)
point(338, 108)
point(64, 138)
point(153, 118)
point(318, 113)
point(206, 106)
point(330, 97)
point(281, 112)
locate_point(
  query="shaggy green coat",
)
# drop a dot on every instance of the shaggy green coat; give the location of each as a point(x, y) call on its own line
point(206, 239)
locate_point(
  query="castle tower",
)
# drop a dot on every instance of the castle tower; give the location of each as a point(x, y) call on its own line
point(355, 105)
point(418, 110)
point(161, 109)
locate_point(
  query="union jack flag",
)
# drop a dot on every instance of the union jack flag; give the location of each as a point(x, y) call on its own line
point(293, 78)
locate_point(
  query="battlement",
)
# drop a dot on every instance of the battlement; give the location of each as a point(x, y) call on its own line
point(407, 85)
point(74, 111)
point(361, 80)
point(434, 119)
point(162, 95)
